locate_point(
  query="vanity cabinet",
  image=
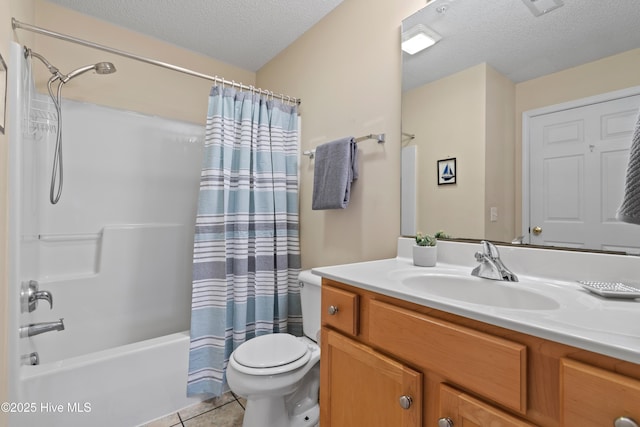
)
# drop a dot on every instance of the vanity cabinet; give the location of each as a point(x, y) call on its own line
point(380, 353)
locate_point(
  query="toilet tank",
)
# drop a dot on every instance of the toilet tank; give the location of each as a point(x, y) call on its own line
point(310, 299)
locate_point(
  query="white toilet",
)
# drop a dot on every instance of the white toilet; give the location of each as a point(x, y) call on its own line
point(279, 374)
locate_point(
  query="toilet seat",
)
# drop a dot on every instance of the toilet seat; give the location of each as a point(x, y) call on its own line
point(270, 355)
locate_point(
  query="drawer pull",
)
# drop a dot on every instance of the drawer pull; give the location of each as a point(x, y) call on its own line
point(624, 422)
point(333, 309)
point(445, 422)
point(405, 402)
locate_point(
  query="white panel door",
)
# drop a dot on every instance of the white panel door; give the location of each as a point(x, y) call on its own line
point(578, 160)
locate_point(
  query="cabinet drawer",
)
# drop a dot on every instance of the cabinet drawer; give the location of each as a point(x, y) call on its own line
point(340, 309)
point(491, 366)
point(594, 397)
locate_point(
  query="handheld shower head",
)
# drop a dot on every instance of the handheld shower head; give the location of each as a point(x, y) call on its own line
point(99, 68)
point(105, 68)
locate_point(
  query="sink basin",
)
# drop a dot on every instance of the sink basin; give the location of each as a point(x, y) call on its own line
point(475, 290)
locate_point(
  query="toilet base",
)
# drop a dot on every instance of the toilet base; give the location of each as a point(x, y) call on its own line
point(271, 411)
point(266, 411)
point(310, 417)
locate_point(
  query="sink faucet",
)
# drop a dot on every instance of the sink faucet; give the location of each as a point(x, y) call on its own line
point(40, 328)
point(491, 267)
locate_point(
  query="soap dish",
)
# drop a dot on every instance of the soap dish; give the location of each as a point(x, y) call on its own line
point(611, 289)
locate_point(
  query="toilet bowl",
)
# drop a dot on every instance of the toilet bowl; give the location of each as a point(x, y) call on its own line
point(279, 374)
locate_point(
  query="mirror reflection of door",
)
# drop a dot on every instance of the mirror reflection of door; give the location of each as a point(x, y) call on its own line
point(577, 162)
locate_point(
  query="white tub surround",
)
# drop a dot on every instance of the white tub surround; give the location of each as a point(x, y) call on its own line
point(548, 302)
point(114, 253)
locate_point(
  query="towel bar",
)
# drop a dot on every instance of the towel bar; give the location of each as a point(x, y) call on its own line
point(378, 137)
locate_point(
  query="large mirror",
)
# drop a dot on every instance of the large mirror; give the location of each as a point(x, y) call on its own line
point(505, 97)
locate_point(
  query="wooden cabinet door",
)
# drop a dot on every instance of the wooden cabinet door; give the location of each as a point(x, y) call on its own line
point(361, 387)
point(466, 411)
point(594, 397)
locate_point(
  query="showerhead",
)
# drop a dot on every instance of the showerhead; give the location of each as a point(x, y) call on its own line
point(100, 68)
point(105, 68)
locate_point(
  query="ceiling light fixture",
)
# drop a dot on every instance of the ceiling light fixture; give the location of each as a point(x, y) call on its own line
point(542, 7)
point(418, 38)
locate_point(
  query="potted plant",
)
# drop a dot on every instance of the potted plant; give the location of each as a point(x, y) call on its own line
point(425, 251)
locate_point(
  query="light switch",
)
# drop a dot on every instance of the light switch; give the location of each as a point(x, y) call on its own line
point(494, 214)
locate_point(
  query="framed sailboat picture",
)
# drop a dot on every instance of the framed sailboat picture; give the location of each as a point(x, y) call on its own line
point(447, 171)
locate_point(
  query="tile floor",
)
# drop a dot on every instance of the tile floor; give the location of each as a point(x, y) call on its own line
point(224, 411)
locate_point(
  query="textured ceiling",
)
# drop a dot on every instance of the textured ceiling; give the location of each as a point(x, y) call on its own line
point(506, 35)
point(244, 33)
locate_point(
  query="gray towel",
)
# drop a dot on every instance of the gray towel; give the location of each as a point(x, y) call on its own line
point(336, 167)
point(629, 211)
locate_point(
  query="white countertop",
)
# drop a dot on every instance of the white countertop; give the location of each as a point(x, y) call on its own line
point(579, 319)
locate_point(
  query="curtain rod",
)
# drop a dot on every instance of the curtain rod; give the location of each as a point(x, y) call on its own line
point(17, 25)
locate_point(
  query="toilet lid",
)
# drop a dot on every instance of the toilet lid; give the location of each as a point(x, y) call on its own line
point(268, 351)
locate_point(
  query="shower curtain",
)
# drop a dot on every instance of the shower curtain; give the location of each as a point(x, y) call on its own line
point(246, 249)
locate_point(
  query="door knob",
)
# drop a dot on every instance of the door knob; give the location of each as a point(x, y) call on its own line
point(537, 230)
point(624, 422)
point(405, 401)
point(445, 422)
point(333, 309)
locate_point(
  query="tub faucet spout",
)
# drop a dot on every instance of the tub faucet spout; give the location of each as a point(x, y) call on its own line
point(40, 328)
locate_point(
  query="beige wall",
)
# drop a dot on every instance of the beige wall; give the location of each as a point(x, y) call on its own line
point(605, 75)
point(5, 31)
point(447, 119)
point(499, 156)
point(347, 70)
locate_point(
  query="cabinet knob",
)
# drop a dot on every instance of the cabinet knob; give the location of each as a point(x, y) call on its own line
point(624, 422)
point(445, 422)
point(405, 401)
point(537, 230)
point(333, 309)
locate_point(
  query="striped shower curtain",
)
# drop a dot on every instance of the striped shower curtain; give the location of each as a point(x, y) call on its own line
point(246, 250)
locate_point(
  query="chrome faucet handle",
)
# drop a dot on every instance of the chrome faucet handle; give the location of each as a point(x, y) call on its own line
point(490, 249)
point(30, 294)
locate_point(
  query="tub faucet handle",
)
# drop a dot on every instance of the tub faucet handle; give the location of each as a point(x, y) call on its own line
point(30, 294)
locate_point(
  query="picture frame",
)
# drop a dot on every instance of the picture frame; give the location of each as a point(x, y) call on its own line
point(447, 171)
point(3, 93)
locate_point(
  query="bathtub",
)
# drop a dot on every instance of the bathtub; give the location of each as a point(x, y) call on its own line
point(123, 386)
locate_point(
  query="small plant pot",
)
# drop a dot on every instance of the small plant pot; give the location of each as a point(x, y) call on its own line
point(425, 256)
